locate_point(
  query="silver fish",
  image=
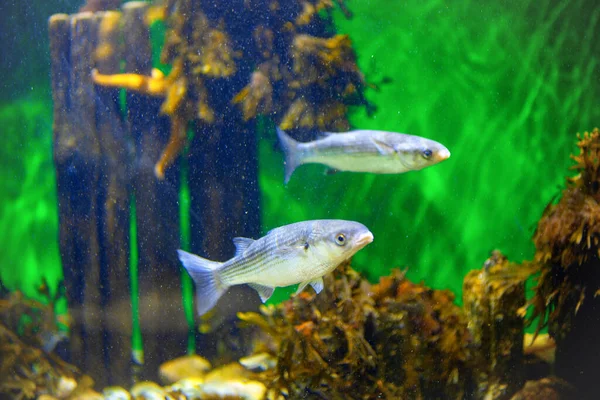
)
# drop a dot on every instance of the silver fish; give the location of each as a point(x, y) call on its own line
point(378, 152)
point(297, 253)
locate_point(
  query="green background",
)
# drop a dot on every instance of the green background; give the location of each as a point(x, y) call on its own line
point(504, 85)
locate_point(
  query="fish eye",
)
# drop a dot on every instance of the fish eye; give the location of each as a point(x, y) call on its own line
point(427, 153)
point(340, 239)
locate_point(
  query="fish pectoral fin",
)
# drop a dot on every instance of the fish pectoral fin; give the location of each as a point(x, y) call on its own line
point(317, 284)
point(383, 148)
point(241, 244)
point(302, 286)
point(265, 292)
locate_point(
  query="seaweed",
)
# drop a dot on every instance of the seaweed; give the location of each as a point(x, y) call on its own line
point(26, 370)
point(494, 300)
point(35, 321)
point(567, 241)
point(277, 59)
point(551, 388)
point(394, 339)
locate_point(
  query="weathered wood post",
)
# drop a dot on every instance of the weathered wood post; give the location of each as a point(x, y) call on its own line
point(162, 319)
point(223, 181)
point(99, 165)
point(222, 95)
point(113, 205)
point(77, 159)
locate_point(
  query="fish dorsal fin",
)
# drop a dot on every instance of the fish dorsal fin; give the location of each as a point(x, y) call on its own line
point(383, 148)
point(265, 292)
point(317, 284)
point(241, 244)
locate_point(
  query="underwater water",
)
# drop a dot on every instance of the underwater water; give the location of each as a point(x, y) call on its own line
point(503, 85)
point(500, 86)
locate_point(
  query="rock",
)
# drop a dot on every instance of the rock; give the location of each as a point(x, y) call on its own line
point(192, 366)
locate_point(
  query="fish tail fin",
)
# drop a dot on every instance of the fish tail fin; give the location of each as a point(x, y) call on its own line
point(293, 157)
point(205, 274)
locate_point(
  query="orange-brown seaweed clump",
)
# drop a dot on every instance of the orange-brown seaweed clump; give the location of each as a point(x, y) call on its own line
point(567, 240)
point(394, 339)
point(27, 371)
point(283, 64)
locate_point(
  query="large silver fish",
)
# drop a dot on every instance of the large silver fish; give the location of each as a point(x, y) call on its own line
point(363, 151)
point(298, 253)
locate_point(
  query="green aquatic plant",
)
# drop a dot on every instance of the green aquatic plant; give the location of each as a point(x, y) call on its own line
point(28, 218)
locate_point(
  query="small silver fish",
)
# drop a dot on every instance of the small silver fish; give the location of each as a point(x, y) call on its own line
point(297, 253)
point(378, 152)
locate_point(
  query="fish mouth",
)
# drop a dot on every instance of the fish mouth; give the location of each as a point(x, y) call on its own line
point(443, 154)
point(364, 239)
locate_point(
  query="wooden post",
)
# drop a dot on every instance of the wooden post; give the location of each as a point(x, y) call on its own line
point(162, 319)
point(77, 157)
point(113, 202)
point(223, 181)
point(224, 188)
point(59, 32)
point(491, 300)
